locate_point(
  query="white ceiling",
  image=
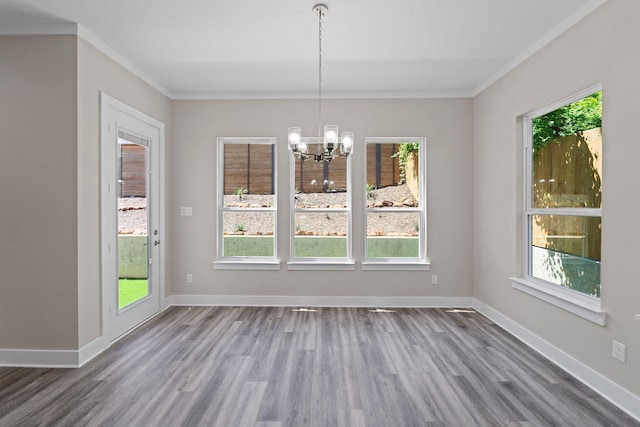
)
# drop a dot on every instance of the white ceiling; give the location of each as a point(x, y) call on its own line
point(258, 49)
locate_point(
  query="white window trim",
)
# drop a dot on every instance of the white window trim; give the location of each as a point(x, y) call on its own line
point(393, 264)
point(418, 263)
point(319, 263)
point(575, 302)
point(244, 262)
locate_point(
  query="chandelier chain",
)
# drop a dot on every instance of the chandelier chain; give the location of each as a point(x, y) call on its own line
point(334, 144)
point(320, 13)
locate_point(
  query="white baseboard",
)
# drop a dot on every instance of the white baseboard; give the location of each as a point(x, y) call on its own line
point(320, 301)
point(91, 350)
point(39, 358)
point(52, 358)
point(619, 396)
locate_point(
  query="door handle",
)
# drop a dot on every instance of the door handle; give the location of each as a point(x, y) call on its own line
point(156, 242)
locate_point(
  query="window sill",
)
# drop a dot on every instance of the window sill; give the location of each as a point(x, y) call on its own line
point(246, 265)
point(583, 306)
point(396, 266)
point(321, 265)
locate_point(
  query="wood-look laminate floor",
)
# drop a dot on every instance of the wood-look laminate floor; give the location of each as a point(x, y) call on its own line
point(272, 366)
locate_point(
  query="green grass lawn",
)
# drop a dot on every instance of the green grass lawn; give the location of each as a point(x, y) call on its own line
point(131, 290)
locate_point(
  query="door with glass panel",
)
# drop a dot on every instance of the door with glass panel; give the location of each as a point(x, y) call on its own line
point(131, 231)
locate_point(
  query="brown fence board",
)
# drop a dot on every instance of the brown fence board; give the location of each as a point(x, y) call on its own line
point(132, 171)
point(386, 172)
point(248, 166)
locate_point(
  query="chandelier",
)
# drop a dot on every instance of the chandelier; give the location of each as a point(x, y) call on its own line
point(333, 146)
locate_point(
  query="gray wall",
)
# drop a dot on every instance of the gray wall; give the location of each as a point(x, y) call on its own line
point(38, 163)
point(601, 48)
point(96, 73)
point(50, 186)
point(446, 123)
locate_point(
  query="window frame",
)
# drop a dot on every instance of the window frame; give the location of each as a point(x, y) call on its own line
point(576, 302)
point(319, 263)
point(244, 262)
point(400, 263)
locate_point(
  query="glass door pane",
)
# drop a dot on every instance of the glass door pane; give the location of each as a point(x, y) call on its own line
point(133, 220)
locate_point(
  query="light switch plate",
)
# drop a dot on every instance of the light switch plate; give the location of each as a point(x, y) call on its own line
point(186, 211)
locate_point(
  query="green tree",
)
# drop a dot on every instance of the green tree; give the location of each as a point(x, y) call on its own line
point(584, 114)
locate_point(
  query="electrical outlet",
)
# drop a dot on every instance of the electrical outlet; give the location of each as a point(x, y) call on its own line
point(434, 279)
point(186, 211)
point(189, 278)
point(619, 351)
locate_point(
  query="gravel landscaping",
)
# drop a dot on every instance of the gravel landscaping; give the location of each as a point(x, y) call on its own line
point(133, 211)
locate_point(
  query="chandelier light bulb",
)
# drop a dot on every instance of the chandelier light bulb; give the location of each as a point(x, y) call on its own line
point(295, 135)
point(330, 136)
point(347, 142)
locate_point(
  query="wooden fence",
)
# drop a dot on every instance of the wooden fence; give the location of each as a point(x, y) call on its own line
point(317, 177)
point(131, 171)
point(567, 173)
point(382, 169)
point(249, 167)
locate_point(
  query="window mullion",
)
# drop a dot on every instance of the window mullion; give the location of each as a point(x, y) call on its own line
point(391, 210)
point(591, 212)
point(240, 210)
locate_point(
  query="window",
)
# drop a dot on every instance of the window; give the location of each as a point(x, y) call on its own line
point(320, 211)
point(563, 199)
point(246, 201)
point(395, 202)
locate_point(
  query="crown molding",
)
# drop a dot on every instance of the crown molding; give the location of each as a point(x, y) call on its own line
point(56, 29)
point(53, 28)
point(103, 47)
point(542, 42)
point(246, 96)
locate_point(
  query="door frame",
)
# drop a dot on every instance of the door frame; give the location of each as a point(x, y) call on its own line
point(116, 115)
